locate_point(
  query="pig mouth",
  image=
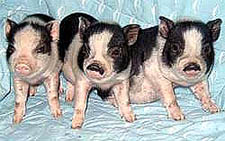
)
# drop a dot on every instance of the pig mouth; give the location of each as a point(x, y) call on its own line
point(192, 70)
point(192, 73)
point(95, 71)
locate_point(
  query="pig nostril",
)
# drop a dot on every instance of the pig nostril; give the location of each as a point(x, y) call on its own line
point(22, 68)
point(192, 66)
point(96, 67)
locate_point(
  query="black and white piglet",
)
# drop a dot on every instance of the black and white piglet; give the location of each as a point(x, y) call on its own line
point(100, 59)
point(174, 54)
point(69, 45)
point(33, 57)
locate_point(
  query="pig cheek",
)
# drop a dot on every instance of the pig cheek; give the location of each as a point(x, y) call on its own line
point(109, 68)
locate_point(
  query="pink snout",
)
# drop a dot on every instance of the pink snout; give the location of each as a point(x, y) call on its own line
point(95, 71)
point(23, 69)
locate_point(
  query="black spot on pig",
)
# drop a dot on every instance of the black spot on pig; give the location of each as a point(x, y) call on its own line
point(69, 27)
point(143, 47)
point(42, 17)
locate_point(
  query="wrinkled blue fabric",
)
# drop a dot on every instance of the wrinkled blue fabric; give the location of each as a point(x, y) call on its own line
point(103, 121)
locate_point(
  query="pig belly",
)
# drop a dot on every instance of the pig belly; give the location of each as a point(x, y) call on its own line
point(142, 91)
point(68, 73)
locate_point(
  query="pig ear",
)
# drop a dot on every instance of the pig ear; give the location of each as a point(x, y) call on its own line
point(131, 32)
point(53, 29)
point(214, 27)
point(83, 25)
point(165, 26)
point(9, 24)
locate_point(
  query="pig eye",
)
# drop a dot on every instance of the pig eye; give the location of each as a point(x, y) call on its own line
point(40, 49)
point(115, 52)
point(175, 48)
point(85, 51)
point(11, 49)
point(206, 49)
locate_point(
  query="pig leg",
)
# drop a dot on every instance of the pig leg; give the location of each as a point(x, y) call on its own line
point(201, 91)
point(70, 92)
point(52, 85)
point(21, 91)
point(111, 99)
point(60, 87)
point(82, 91)
point(121, 92)
point(169, 100)
point(32, 90)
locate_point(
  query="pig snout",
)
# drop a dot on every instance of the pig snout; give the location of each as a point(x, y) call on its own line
point(192, 69)
point(23, 68)
point(95, 70)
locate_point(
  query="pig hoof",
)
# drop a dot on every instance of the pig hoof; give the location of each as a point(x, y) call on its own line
point(211, 107)
point(130, 117)
point(177, 116)
point(57, 113)
point(69, 96)
point(77, 123)
point(32, 91)
point(17, 119)
point(175, 112)
point(61, 90)
point(112, 101)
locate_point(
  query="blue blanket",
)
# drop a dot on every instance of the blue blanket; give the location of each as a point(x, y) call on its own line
point(102, 120)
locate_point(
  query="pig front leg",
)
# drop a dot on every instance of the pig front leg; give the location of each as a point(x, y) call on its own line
point(21, 91)
point(52, 85)
point(81, 96)
point(165, 88)
point(201, 91)
point(121, 92)
point(70, 92)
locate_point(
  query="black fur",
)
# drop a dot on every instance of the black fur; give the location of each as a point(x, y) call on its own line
point(104, 94)
point(44, 44)
point(142, 49)
point(42, 17)
point(68, 29)
point(174, 45)
point(83, 54)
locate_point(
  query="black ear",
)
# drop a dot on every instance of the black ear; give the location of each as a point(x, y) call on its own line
point(214, 27)
point(165, 26)
point(83, 25)
point(53, 29)
point(131, 32)
point(9, 24)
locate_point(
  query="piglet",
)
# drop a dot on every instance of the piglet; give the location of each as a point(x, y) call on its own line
point(100, 59)
point(69, 45)
point(174, 54)
point(33, 58)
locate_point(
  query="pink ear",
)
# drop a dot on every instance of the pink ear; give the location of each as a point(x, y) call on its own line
point(53, 28)
point(165, 26)
point(8, 26)
point(215, 27)
point(131, 32)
